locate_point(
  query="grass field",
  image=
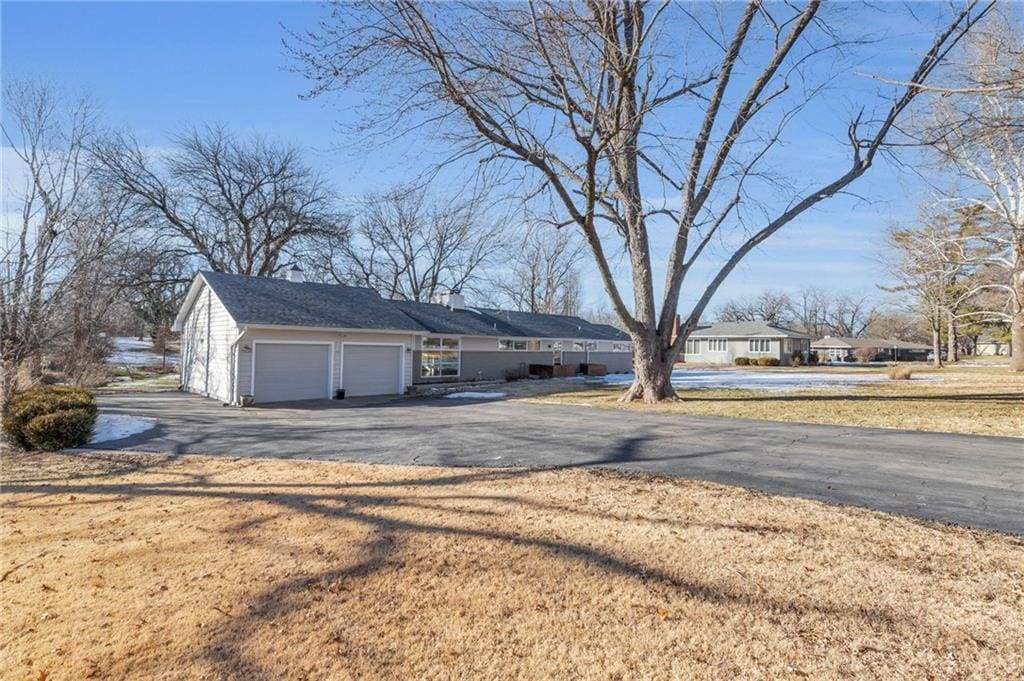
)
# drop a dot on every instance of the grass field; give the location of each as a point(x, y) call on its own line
point(976, 400)
point(122, 566)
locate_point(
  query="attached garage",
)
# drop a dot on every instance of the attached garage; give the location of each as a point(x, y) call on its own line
point(372, 369)
point(284, 372)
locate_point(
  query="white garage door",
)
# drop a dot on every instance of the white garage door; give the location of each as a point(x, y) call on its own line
point(371, 370)
point(291, 371)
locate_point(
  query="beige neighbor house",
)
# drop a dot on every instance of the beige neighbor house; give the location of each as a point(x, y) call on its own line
point(723, 342)
point(275, 340)
point(839, 349)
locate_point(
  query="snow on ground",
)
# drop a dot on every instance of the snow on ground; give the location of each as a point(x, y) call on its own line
point(758, 380)
point(117, 426)
point(133, 352)
point(471, 395)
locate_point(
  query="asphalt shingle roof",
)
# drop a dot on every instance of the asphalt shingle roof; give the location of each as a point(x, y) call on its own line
point(745, 329)
point(847, 342)
point(278, 302)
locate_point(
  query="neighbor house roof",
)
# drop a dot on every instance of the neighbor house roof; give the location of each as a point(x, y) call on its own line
point(847, 342)
point(267, 301)
point(746, 330)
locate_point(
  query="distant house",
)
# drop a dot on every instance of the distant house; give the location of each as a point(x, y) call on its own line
point(991, 346)
point(841, 349)
point(723, 342)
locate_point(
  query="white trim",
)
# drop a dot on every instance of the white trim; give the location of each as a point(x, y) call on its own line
point(330, 362)
point(401, 368)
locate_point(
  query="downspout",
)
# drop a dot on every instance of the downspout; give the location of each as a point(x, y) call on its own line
point(234, 364)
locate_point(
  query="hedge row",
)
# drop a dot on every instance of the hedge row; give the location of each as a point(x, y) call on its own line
point(757, 361)
point(50, 418)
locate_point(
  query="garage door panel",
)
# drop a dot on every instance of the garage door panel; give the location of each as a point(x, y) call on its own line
point(371, 370)
point(291, 371)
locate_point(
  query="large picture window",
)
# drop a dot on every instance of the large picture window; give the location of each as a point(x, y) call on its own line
point(717, 345)
point(761, 345)
point(621, 347)
point(439, 357)
point(518, 345)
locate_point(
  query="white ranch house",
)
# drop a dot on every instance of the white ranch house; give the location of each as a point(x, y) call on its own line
point(723, 342)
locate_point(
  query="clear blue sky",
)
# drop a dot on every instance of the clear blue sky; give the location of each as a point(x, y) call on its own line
point(157, 67)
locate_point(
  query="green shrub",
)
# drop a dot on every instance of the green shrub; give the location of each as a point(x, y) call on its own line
point(742, 361)
point(767, 361)
point(29, 405)
point(65, 428)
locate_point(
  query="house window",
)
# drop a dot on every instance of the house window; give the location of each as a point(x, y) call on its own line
point(439, 357)
point(761, 345)
point(717, 345)
point(518, 345)
point(592, 345)
point(693, 346)
point(620, 347)
point(577, 346)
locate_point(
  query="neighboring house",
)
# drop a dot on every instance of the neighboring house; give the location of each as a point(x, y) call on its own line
point(286, 339)
point(991, 346)
point(839, 349)
point(723, 342)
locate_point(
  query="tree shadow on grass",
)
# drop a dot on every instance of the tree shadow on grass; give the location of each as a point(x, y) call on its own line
point(371, 505)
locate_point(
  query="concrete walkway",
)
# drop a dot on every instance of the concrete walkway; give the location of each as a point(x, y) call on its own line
point(967, 480)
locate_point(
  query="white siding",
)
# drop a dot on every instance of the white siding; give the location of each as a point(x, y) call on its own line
point(206, 337)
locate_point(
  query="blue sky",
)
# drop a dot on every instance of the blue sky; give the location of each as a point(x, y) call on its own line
point(157, 67)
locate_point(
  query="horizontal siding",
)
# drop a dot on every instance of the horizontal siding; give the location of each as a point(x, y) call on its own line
point(206, 337)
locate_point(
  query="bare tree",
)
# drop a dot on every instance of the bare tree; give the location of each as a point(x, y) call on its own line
point(243, 206)
point(850, 315)
point(978, 132)
point(48, 133)
point(405, 246)
point(543, 273)
point(925, 264)
point(774, 307)
point(593, 100)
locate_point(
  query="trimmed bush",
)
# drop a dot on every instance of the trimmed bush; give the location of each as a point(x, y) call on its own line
point(812, 358)
point(29, 405)
point(898, 373)
point(742, 361)
point(767, 361)
point(66, 428)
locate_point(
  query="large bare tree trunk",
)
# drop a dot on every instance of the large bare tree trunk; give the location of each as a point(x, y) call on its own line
point(653, 370)
point(952, 353)
point(1017, 322)
point(936, 339)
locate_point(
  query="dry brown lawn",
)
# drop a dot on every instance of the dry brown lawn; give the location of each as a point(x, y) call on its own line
point(975, 400)
point(121, 566)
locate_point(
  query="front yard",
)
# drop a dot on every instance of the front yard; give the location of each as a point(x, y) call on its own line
point(124, 566)
point(976, 400)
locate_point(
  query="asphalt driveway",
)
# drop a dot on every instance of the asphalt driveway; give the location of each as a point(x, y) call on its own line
point(967, 480)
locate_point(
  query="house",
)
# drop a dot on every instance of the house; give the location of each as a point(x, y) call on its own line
point(723, 342)
point(990, 345)
point(281, 339)
point(840, 349)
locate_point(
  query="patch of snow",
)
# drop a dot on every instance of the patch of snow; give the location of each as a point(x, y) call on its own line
point(133, 352)
point(118, 426)
point(471, 395)
point(772, 381)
